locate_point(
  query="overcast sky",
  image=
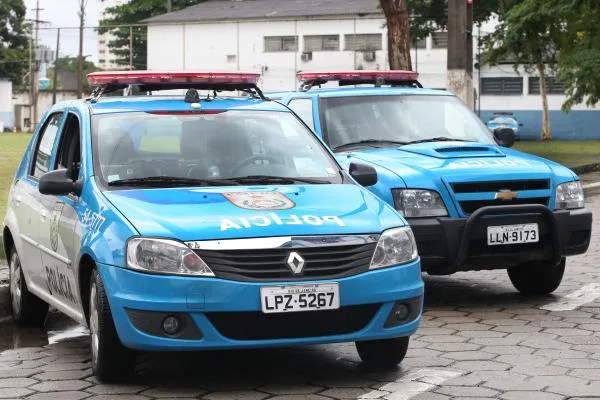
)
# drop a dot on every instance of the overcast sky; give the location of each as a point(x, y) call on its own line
point(65, 13)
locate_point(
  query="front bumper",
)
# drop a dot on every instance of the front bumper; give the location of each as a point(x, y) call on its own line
point(448, 245)
point(225, 314)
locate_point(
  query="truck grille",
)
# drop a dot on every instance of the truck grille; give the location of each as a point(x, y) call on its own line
point(271, 264)
point(259, 326)
point(470, 207)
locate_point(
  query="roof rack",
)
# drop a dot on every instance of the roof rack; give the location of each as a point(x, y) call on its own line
point(148, 81)
point(345, 78)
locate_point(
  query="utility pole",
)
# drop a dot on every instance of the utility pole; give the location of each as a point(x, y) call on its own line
point(82, 4)
point(169, 6)
point(55, 79)
point(31, 83)
point(130, 47)
point(460, 49)
point(34, 76)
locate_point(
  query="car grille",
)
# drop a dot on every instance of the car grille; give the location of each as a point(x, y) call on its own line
point(271, 264)
point(521, 186)
point(260, 326)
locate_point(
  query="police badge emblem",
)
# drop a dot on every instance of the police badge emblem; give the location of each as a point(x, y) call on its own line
point(260, 200)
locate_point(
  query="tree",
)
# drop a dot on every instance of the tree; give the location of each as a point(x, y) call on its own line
point(14, 55)
point(67, 68)
point(133, 12)
point(527, 36)
point(398, 32)
point(579, 57)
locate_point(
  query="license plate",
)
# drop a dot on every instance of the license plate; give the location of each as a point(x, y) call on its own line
point(293, 298)
point(511, 234)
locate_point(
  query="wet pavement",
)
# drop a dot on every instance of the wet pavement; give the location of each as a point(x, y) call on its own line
point(479, 339)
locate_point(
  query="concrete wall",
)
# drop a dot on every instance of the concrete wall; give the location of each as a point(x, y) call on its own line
point(6, 104)
point(44, 103)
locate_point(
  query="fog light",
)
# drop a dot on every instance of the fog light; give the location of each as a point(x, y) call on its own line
point(170, 325)
point(401, 312)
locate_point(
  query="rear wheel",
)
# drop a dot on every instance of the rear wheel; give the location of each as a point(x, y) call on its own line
point(537, 277)
point(27, 308)
point(111, 361)
point(384, 353)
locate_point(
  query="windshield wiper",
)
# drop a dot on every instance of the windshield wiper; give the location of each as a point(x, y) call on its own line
point(368, 142)
point(438, 139)
point(276, 179)
point(166, 181)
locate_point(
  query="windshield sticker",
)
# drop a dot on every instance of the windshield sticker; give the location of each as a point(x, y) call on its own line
point(260, 200)
point(273, 219)
point(488, 164)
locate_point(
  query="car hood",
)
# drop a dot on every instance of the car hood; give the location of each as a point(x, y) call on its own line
point(254, 211)
point(459, 162)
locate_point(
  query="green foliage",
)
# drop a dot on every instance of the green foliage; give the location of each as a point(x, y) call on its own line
point(14, 54)
point(68, 65)
point(133, 12)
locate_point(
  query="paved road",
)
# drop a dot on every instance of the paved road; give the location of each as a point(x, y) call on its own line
point(479, 338)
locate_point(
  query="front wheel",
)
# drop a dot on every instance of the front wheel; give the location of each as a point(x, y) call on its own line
point(384, 353)
point(537, 277)
point(111, 361)
point(27, 308)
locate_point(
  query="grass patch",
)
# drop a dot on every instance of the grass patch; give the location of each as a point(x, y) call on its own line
point(569, 153)
point(12, 146)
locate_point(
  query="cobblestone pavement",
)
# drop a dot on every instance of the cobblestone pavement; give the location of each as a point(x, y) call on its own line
point(479, 339)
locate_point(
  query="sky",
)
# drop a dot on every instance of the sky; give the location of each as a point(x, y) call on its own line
point(65, 13)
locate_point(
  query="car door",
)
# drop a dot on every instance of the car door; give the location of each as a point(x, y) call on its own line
point(57, 231)
point(303, 107)
point(29, 212)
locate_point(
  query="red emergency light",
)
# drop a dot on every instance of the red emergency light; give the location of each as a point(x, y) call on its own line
point(171, 77)
point(369, 76)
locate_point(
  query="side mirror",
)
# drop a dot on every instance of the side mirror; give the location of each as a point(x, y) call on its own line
point(520, 124)
point(504, 137)
point(364, 174)
point(59, 183)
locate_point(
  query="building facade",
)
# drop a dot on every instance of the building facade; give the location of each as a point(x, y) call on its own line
point(278, 39)
point(106, 57)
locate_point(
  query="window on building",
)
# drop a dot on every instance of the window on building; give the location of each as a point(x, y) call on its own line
point(281, 43)
point(553, 86)
point(321, 43)
point(420, 43)
point(363, 42)
point(101, 60)
point(440, 40)
point(502, 86)
point(231, 58)
point(102, 42)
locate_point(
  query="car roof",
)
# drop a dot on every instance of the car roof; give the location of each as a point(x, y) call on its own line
point(176, 103)
point(363, 91)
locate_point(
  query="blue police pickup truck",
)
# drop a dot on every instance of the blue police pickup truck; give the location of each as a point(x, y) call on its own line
point(193, 222)
point(472, 202)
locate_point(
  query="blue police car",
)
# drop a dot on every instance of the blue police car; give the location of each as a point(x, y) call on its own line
point(189, 223)
point(504, 120)
point(473, 203)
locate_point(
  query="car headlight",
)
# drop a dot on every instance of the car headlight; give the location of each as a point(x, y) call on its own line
point(569, 195)
point(415, 203)
point(395, 246)
point(164, 256)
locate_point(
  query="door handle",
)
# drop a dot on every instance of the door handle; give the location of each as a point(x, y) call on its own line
point(18, 200)
point(43, 214)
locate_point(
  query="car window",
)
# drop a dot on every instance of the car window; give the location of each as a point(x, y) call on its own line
point(400, 118)
point(45, 145)
point(304, 109)
point(216, 145)
point(69, 149)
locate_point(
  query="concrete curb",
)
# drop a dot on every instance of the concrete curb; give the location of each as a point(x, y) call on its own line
point(585, 168)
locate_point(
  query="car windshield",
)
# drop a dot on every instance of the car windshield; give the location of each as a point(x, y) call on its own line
point(399, 119)
point(211, 148)
point(503, 120)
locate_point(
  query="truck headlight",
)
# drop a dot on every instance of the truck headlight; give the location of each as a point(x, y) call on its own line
point(395, 246)
point(164, 256)
point(415, 203)
point(569, 195)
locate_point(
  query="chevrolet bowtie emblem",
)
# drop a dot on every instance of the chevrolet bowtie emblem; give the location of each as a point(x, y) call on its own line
point(506, 195)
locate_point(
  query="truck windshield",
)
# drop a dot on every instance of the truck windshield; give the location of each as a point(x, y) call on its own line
point(208, 148)
point(390, 120)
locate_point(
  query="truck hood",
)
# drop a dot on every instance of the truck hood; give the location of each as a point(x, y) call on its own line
point(255, 211)
point(459, 162)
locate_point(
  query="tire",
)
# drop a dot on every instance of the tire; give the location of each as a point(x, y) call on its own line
point(383, 353)
point(537, 278)
point(111, 361)
point(27, 308)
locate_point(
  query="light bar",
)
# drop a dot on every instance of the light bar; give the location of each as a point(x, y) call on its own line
point(171, 77)
point(362, 75)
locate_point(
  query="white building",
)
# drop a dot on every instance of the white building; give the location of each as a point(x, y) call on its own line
point(279, 38)
point(106, 58)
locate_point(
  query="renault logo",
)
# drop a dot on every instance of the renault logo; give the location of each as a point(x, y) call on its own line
point(506, 195)
point(295, 262)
